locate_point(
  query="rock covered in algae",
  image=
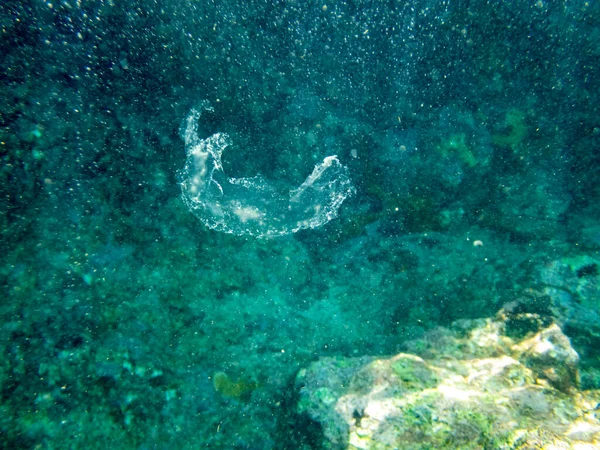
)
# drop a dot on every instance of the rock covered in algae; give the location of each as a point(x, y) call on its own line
point(489, 392)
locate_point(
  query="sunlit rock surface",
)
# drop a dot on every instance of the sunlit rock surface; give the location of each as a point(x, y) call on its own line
point(474, 388)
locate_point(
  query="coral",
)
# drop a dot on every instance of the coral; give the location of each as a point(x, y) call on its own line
point(514, 130)
point(456, 146)
point(240, 389)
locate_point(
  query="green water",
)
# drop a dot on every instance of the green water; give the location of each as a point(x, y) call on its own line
point(467, 138)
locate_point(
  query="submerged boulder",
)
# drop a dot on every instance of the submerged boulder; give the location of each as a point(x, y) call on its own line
point(477, 389)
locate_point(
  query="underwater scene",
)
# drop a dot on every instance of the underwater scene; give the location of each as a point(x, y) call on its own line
point(300, 224)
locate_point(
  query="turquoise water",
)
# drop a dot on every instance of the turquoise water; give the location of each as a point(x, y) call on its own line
point(161, 290)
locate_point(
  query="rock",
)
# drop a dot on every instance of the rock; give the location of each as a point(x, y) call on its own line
point(525, 396)
point(550, 355)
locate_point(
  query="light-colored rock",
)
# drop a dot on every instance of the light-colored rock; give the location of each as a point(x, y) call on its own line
point(524, 396)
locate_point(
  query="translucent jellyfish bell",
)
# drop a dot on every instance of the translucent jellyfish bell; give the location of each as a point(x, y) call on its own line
point(251, 206)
